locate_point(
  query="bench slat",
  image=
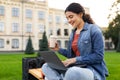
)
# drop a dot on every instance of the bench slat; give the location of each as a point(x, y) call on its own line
point(37, 73)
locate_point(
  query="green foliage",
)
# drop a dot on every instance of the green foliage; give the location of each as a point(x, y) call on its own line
point(29, 48)
point(114, 25)
point(115, 9)
point(43, 45)
point(118, 46)
point(113, 30)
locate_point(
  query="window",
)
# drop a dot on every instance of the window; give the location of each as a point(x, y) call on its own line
point(15, 43)
point(29, 28)
point(29, 13)
point(15, 27)
point(41, 15)
point(66, 44)
point(50, 19)
point(2, 10)
point(58, 31)
point(50, 31)
point(59, 42)
point(57, 19)
point(1, 43)
point(66, 32)
point(108, 45)
point(15, 12)
point(65, 20)
point(41, 28)
point(1, 26)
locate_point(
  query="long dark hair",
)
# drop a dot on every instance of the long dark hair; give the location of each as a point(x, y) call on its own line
point(77, 8)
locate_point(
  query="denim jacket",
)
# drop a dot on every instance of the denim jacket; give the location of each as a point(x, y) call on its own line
point(91, 48)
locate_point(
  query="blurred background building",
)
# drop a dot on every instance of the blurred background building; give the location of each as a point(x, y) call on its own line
point(20, 19)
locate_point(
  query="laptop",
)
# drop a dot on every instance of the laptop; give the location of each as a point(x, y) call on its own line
point(54, 62)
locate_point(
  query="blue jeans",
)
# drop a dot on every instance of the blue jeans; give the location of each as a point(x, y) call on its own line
point(73, 73)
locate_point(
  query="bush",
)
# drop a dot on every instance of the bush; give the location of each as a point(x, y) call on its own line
point(43, 45)
point(29, 48)
point(118, 45)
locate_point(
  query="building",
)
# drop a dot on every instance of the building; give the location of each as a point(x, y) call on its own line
point(20, 19)
point(108, 42)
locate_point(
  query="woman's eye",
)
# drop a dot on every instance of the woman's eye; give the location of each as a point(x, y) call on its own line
point(71, 16)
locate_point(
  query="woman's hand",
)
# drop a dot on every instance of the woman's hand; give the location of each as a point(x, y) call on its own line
point(56, 48)
point(67, 62)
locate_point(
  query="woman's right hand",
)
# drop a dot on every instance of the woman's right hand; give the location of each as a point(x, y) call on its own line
point(56, 48)
point(69, 61)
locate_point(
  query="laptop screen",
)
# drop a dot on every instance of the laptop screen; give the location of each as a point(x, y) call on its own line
point(52, 59)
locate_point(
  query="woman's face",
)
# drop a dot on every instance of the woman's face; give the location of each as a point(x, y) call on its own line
point(74, 19)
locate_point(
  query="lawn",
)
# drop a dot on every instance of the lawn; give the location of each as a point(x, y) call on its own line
point(11, 65)
point(113, 63)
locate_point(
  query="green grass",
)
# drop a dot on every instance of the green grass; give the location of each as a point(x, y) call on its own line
point(113, 63)
point(11, 65)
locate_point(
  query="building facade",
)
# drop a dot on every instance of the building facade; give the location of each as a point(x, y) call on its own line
point(20, 19)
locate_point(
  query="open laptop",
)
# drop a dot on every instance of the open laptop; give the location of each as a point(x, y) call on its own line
point(53, 61)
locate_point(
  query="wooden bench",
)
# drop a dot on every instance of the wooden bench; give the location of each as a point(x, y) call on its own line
point(37, 73)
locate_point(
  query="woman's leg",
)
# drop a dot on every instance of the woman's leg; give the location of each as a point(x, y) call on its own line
point(50, 73)
point(97, 76)
point(77, 73)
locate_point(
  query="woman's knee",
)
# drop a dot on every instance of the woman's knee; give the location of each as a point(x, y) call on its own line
point(71, 71)
point(71, 74)
point(75, 73)
point(44, 67)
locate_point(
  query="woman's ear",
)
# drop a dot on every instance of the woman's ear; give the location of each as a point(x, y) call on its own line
point(81, 15)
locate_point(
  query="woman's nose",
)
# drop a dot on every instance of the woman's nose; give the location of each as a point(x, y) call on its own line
point(69, 20)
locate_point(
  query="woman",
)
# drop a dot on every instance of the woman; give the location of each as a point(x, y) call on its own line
point(86, 47)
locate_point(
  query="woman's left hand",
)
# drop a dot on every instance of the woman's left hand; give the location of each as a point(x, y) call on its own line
point(67, 62)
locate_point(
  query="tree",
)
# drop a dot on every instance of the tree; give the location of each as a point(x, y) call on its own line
point(29, 48)
point(114, 25)
point(43, 44)
point(118, 46)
